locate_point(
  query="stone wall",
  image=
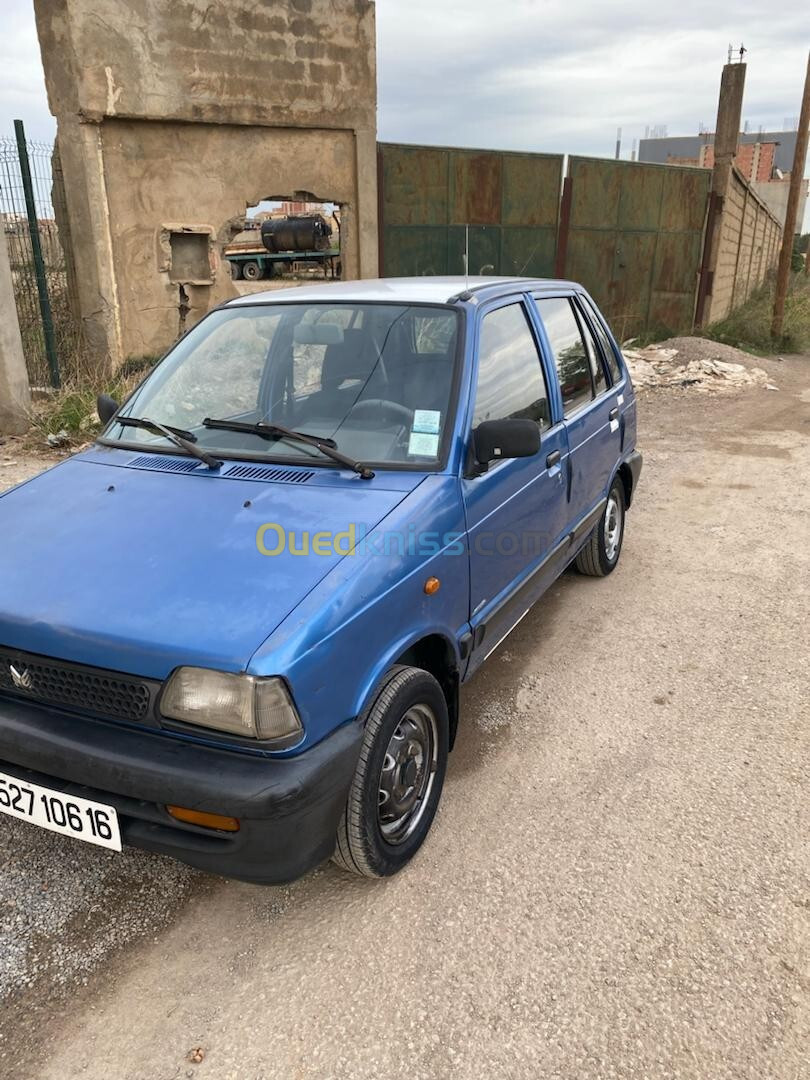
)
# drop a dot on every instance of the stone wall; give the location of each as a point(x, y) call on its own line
point(173, 118)
point(748, 239)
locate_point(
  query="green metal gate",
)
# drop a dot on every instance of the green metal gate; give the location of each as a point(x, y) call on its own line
point(429, 195)
point(632, 234)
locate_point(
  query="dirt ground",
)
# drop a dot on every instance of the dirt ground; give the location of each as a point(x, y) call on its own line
point(618, 881)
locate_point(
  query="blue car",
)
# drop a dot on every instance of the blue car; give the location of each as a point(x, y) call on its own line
point(234, 630)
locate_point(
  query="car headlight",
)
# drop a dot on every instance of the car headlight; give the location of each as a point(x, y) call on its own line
point(235, 704)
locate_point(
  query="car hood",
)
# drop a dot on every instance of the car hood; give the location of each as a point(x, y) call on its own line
point(115, 560)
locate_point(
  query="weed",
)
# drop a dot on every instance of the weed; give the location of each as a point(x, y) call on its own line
point(749, 327)
point(73, 408)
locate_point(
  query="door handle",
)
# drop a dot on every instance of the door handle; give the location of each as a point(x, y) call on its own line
point(614, 414)
point(553, 458)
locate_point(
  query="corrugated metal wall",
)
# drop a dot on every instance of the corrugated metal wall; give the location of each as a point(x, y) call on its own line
point(633, 234)
point(635, 239)
point(428, 195)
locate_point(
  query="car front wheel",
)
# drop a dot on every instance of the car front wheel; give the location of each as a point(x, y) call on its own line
point(399, 777)
point(601, 553)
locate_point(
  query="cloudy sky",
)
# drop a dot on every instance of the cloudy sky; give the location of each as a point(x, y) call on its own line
point(554, 75)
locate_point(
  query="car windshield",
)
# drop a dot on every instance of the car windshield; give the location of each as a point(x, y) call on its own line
point(375, 379)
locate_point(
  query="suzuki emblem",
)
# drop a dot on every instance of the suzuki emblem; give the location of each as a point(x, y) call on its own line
point(23, 680)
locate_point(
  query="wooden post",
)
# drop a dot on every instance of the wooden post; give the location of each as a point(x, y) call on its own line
point(796, 180)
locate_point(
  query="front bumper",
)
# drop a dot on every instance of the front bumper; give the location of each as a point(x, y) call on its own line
point(288, 808)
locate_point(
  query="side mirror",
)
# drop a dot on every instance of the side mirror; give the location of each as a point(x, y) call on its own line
point(106, 407)
point(495, 439)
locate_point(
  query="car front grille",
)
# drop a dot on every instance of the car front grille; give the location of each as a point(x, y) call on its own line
point(77, 687)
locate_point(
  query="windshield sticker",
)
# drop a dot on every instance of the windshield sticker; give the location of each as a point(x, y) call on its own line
point(423, 444)
point(426, 421)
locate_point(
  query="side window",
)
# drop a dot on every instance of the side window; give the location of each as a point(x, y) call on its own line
point(568, 349)
point(604, 341)
point(510, 378)
point(594, 357)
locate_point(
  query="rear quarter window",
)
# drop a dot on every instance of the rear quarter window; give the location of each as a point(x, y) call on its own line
point(604, 341)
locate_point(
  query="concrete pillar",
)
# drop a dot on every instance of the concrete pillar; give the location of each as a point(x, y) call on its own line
point(15, 395)
point(729, 114)
point(726, 138)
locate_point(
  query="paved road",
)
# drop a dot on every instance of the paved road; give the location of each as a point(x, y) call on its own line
point(618, 882)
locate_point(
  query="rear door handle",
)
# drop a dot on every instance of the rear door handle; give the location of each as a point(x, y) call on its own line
point(553, 458)
point(614, 414)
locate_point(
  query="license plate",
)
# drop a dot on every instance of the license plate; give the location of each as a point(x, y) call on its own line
point(92, 822)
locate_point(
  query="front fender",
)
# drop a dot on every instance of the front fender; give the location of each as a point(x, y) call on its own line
point(335, 647)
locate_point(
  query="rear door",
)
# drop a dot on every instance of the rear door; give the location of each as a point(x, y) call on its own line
point(516, 511)
point(589, 408)
point(621, 387)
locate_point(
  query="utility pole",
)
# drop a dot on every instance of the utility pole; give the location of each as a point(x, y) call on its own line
point(796, 181)
point(618, 143)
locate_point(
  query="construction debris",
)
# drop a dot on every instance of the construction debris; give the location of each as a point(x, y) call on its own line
point(693, 363)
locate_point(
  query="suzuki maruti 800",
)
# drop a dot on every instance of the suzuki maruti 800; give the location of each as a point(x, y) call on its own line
point(234, 630)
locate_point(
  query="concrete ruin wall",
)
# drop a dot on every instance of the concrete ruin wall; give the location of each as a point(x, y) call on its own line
point(15, 396)
point(173, 118)
point(749, 239)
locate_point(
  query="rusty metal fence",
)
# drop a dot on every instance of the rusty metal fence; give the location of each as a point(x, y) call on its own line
point(45, 306)
point(632, 234)
point(430, 196)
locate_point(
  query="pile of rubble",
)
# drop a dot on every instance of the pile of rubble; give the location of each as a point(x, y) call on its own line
point(693, 363)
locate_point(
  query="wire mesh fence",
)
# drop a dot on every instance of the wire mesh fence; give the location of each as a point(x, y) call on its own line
point(38, 269)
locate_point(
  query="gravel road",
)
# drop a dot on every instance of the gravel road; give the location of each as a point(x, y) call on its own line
point(618, 881)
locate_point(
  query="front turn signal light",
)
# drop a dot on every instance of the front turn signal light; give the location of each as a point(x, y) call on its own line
point(207, 821)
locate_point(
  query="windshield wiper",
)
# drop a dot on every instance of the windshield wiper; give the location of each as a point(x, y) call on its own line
point(142, 422)
point(184, 439)
point(278, 431)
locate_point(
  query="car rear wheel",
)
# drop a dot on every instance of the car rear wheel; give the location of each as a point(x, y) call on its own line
point(601, 553)
point(399, 777)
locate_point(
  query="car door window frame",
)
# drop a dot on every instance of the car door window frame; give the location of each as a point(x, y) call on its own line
point(585, 328)
point(594, 319)
point(570, 297)
point(524, 300)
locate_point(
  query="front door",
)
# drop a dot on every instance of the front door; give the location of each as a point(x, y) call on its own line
point(591, 413)
point(516, 511)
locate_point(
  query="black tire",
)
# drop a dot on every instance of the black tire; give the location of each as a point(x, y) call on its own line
point(236, 271)
point(596, 559)
point(251, 271)
point(362, 846)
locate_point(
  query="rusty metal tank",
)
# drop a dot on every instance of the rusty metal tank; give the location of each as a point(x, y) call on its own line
point(304, 233)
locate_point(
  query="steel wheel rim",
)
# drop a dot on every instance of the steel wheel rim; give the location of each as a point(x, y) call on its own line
point(613, 528)
point(407, 774)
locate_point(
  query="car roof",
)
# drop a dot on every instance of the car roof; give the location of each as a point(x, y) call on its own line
point(413, 290)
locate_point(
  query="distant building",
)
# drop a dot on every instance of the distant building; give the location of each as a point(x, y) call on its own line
point(689, 146)
point(774, 193)
point(764, 158)
point(754, 160)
